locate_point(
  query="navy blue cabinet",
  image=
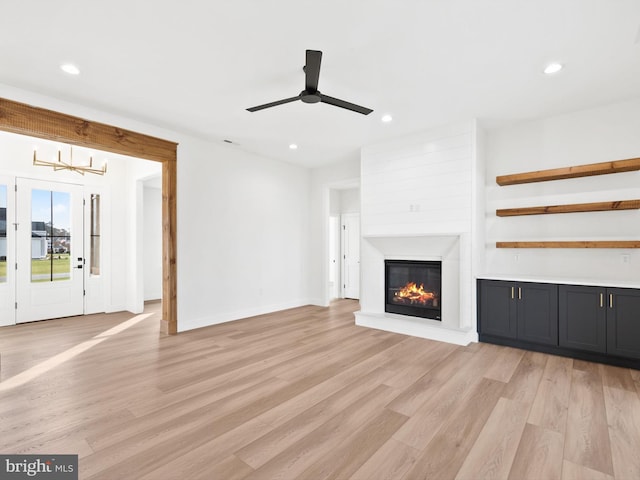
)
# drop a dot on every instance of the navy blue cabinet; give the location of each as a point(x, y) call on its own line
point(524, 311)
point(588, 322)
point(583, 317)
point(623, 322)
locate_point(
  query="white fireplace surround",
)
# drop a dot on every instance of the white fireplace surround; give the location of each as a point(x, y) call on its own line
point(457, 292)
point(422, 199)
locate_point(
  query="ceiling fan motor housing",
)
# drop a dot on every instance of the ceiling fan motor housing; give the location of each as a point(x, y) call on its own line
point(310, 97)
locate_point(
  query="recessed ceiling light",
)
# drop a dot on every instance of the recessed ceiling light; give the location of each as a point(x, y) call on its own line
point(552, 68)
point(70, 68)
point(293, 146)
point(386, 118)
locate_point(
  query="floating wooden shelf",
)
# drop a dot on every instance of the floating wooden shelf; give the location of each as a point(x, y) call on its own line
point(572, 244)
point(603, 168)
point(570, 208)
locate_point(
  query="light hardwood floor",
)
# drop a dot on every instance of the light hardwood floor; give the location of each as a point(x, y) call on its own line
point(306, 394)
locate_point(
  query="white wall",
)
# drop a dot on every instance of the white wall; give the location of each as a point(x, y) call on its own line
point(251, 213)
point(152, 240)
point(590, 136)
point(242, 234)
point(350, 200)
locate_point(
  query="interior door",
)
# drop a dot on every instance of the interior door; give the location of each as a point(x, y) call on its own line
point(7, 252)
point(49, 250)
point(351, 255)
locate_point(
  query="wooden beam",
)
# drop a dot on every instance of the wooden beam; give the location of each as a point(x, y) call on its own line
point(169, 248)
point(603, 168)
point(570, 208)
point(572, 244)
point(38, 122)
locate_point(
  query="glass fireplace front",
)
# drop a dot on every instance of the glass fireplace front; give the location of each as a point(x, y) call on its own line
point(413, 288)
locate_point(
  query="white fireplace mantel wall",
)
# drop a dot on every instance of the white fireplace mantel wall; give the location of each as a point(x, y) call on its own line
point(422, 199)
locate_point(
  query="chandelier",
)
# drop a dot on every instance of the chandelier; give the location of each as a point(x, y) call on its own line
point(62, 165)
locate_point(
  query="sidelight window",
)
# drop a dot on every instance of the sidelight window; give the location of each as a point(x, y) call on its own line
point(3, 233)
point(94, 257)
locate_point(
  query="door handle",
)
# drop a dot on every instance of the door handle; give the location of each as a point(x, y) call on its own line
point(512, 293)
point(611, 300)
point(601, 300)
point(519, 293)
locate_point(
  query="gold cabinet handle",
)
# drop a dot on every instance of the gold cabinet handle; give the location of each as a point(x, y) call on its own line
point(601, 300)
point(519, 293)
point(611, 300)
point(512, 293)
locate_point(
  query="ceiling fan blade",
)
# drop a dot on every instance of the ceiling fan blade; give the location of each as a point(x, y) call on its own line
point(274, 104)
point(341, 103)
point(312, 70)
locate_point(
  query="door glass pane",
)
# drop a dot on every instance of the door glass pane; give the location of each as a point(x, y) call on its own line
point(3, 233)
point(50, 236)
point(94, 257)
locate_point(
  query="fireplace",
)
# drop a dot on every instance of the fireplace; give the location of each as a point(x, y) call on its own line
point(413, 288)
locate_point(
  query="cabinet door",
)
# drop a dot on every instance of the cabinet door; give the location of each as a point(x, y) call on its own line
point(623, 322)
point(538, 313)
point(582, 318)
point(497, 308)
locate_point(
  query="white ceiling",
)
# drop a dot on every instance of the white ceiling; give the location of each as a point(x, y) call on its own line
point(196, 65)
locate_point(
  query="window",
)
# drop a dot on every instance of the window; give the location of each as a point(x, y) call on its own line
point(3, 233)
point(50, 236)
point(94, 257)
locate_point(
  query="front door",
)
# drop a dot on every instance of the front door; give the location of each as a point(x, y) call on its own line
point(49, 250)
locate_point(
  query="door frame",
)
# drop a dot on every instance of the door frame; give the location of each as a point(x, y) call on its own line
point(38, 122)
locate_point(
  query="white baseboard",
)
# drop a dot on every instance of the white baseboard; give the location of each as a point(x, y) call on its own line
point(217, 318)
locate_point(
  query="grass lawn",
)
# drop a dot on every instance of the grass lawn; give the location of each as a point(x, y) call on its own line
point(61, 264)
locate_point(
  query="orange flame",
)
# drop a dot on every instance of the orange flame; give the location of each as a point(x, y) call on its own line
point(412, 293)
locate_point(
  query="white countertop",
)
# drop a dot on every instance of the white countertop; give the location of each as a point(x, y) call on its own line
point(567, 281)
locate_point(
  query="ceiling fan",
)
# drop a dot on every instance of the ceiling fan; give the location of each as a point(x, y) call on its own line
point(311, 94)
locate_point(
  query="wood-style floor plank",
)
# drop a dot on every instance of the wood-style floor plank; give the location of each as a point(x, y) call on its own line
point(451, 444)
point(623, 416)
point(505, 364)
point(493, 452)
point(571, 471)
point(587, 436)
point(539, 455)
point(305, 393)
point(551, 404)
point(392, 461)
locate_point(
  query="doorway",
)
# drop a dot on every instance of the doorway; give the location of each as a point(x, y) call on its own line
point(40, 248)
point(343, 240)
point(25, 119)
